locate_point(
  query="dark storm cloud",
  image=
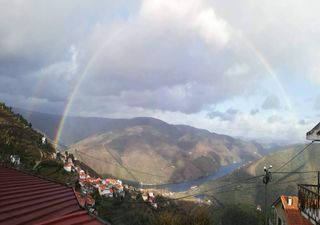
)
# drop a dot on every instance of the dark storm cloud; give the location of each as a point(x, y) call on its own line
point(141, 64)
point(154, 55)
point(35, 42)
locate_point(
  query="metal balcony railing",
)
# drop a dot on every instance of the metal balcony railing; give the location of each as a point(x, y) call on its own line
point(309, 202)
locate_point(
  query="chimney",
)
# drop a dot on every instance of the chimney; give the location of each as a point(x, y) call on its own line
point(289, 201)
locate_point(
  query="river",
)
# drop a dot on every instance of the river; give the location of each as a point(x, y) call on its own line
point(185, 185)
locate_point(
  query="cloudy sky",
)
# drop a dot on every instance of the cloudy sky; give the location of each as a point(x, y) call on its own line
point(244, 68)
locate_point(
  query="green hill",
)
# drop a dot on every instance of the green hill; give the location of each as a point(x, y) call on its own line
point(245, 185)
point(18, 138)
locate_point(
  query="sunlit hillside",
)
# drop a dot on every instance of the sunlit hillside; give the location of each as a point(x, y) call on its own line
point(18, 138)
point(246, 185)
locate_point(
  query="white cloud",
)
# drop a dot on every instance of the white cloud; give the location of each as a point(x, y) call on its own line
point(212, 28)
point(194, 16)
point(275, 119)
point(238, 69)
point(172, 59)
point(317, 102)
point(285, 32)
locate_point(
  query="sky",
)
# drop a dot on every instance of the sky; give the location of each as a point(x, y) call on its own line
point(245, 68)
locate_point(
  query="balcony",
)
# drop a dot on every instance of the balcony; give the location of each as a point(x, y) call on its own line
point(309, 202)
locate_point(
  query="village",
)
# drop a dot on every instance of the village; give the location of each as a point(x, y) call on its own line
point(86, 185)
point(107, 188)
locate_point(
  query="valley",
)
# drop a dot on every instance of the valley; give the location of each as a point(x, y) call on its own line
point(188, 166)
point(147, 150)
point(245, 184)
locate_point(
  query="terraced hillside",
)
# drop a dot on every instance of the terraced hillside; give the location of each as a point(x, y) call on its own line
point(18, 138)
point(160, 153)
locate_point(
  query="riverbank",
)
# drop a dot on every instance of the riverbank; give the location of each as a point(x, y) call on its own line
point(186, 185)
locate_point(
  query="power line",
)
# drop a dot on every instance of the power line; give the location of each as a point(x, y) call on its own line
point(290, 160)
point(296, 172)
point(117, 165)
point(219, 187)
point(239, 188)
point(121, 164)
point(229, 185)
point(279, 179)
point(232, 185)
point(290, 181)
point(236, 182)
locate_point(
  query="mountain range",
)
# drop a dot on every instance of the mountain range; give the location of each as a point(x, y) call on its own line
point(146, 149)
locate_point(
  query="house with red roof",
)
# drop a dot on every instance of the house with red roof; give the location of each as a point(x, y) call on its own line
point(68, 166)
point(105, 190)
point(286, 211)
point(303, 209)
point(82, 174)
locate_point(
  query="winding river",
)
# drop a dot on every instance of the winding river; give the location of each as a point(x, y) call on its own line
point(185, 185)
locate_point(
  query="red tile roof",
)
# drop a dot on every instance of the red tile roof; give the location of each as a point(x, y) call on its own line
point(27, 199)
point(80, 199)
point(286, 206)
point(90, 200)
point(73, 218)
point(292, 211)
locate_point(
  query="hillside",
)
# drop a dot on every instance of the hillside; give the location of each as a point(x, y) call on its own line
point(18, 138)
point(77, 128)
point(241, 186)
point(146, 146)
point(161, 153)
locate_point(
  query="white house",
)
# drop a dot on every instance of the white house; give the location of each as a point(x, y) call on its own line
point(314, 134)
point(15, 159)
point(82, 175)
point(68, 166)
point(104, 190)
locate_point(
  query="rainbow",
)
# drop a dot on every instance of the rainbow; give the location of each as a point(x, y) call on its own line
point(75, 89)
point(262, 60)
point(69, 103)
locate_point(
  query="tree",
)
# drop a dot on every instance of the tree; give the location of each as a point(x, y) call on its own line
point(241, 215)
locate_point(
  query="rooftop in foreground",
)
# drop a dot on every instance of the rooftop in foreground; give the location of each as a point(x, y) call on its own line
point(27, 199)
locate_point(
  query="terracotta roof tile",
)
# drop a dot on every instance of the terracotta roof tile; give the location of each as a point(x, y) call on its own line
point(73, 218)
point(292, 211)
point(27, 199)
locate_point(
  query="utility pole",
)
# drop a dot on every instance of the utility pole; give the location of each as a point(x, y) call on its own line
point(266, 179)
point(318, 189)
